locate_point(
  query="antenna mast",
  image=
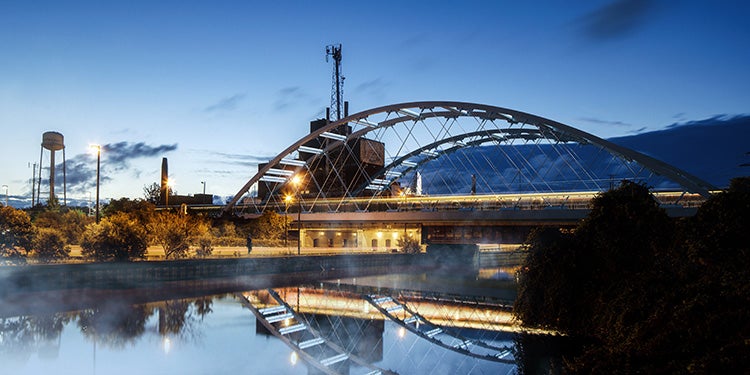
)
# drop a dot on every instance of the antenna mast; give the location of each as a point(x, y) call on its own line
point(337, 90)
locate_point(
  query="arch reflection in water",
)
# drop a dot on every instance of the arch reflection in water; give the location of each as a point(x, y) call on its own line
point(334, 314)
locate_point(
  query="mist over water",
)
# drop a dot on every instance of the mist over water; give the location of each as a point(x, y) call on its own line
point(132, 332)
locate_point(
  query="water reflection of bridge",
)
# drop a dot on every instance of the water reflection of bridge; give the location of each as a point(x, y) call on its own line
point(339, 327)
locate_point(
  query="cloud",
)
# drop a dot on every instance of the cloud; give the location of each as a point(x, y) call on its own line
point(604, 122)
point(290, 96)
point(81, 169)
point(617, 19)
point(239, 159)
point(225, 104)
point(118, 154)
point(375, 88)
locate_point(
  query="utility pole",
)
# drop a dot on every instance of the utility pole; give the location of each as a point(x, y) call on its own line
point(33, 185)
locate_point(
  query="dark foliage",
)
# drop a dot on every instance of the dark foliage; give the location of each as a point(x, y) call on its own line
point(653, 295)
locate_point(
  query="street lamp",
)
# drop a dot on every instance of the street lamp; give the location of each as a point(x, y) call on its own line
point(287, 200)
point(204, 187)
point(297, 182)
point(98, 150)
point(6, 195)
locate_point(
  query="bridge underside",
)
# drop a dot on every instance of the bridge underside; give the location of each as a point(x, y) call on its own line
point(380, 230)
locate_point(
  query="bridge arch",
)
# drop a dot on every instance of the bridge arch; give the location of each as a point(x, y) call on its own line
point(363, 156)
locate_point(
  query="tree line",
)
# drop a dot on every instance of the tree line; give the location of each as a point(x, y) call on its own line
point(126, 229)
point(645, 293)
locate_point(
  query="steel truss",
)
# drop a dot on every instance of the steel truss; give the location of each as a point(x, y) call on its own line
point(443, 149)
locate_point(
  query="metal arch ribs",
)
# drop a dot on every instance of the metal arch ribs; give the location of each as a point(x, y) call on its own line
point(453, 109)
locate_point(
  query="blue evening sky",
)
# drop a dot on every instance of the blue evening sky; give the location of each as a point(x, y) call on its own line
point(219, 86)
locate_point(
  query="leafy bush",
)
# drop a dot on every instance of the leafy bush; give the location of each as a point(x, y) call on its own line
point(205, 247)
point(118, 237)
point(49, 244)
point(16, 232)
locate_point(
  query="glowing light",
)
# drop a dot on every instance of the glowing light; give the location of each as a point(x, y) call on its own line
point(293, 358)
point(166, 344)
point(401, 332)
point(379, 234)
point(296, 180)
point(95, 149)
point(394, 235)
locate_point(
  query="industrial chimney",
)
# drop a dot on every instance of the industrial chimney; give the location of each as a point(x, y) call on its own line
point(164, 189)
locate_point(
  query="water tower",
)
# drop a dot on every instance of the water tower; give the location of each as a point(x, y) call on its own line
point(52, 141)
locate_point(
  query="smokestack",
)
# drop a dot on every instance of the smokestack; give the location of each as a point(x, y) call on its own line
point(164, 181)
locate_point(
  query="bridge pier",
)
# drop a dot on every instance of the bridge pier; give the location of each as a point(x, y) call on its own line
point(455, 257)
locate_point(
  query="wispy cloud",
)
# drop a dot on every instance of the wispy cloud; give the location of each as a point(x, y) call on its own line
point(598, 121)
point(289, 97)
point(243, 160)
point(375, 88)
point(618, 18)
point(226, 104)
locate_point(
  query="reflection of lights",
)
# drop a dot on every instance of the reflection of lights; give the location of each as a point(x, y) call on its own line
point(401, 332)
point(365, 307)
point(166, 344)
point(287, 321)
point(394, 235)
point(293, 358)
point(379, 234)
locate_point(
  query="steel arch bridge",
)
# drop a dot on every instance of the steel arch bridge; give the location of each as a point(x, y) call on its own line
point(369, 160)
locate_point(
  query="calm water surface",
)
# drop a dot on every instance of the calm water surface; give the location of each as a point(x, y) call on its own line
point(219, 334)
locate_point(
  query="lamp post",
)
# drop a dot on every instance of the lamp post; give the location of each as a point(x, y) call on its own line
point(6, 195)
point(287, 200)
point(297, 182)
point(204, 187)
point(98, 150)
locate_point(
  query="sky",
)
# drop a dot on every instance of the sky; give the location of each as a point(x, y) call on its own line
point(217, 87)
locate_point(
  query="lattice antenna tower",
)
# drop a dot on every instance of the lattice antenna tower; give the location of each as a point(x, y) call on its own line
point(337, 88)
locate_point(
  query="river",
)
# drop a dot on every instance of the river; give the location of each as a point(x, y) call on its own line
point(458, 324)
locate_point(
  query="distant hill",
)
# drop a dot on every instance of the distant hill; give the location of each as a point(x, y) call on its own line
point(713, 149)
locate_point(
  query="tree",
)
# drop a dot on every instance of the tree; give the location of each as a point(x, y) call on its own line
point(270, 226)
point(205, 246)
point(649, 294)
point(548, 283)
point(69, 222)
point(140, 209)
point(713, 301)
point(152, 193)
point(49, 244)
point(118, 237)
point(175, 232)
point(16, 232)
point(409, 245)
